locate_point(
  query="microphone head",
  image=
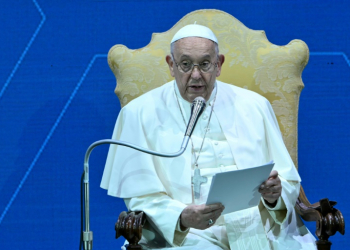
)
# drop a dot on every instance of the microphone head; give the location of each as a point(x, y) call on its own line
point(198, 104)
point(197, 109)
point(199, 100)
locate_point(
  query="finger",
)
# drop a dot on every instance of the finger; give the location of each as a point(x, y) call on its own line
point(272, 182)
point(211, 224)
point(214, 218)
point(266, 185)
point(217, 214)
point(213, 215)
point(204, 223)
point(272, 177)
point(271, 194)
point(273, 189)
point(212, 207)
point(270, 185)
point(273, 174)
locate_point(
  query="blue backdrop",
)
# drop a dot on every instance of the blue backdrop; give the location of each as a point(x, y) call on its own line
point(56, 98)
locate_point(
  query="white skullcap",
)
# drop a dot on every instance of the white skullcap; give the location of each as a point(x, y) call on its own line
point(196, 30)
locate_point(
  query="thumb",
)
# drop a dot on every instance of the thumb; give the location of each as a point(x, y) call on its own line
point(273, 174)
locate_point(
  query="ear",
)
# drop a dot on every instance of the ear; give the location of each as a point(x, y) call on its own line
point(220, 63)
point(170, 64)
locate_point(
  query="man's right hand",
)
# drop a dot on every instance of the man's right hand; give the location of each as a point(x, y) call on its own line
point(198, 216)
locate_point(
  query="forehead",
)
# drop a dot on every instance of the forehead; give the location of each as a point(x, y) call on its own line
point(194, 47)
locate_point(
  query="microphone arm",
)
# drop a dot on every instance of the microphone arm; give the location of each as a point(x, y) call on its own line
point(197, 108)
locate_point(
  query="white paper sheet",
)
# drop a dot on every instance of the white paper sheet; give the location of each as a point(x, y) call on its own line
point(238, 190)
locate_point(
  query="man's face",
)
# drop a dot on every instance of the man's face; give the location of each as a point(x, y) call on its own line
point(195, 83)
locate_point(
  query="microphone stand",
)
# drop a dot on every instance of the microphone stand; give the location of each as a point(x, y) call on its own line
point(197, 109)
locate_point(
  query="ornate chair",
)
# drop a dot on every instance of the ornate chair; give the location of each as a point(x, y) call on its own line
point(252, 62)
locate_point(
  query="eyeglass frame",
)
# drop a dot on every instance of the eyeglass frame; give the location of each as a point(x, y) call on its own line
point(193, 65)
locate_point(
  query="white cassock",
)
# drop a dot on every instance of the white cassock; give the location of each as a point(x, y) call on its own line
point(243, 132)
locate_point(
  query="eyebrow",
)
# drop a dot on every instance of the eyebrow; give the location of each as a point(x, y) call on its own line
point(185, 56)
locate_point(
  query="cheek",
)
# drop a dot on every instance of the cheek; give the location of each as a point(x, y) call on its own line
point(181, 84)
point(183, 87)
point(182, 81)
point(210, 80)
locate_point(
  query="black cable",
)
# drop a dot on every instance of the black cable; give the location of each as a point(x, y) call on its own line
point(81, 210)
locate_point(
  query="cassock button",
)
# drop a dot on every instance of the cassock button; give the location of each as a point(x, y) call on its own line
point(205, 117)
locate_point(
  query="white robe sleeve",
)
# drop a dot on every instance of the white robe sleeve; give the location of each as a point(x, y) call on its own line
point(279, 213)
point(285, 166)
point(164, 214)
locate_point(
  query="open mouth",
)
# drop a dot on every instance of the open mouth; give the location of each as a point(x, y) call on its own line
point(196, 87)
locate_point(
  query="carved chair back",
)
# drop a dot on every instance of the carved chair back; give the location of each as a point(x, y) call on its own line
point(252, 62)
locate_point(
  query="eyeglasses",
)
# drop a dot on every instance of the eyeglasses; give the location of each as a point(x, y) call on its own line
point(187, 66)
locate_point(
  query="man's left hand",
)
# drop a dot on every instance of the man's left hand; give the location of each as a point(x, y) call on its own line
point(271, 188)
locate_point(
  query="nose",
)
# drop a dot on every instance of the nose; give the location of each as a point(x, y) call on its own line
point(196, 73)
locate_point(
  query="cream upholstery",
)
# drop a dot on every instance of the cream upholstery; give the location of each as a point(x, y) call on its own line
point(252, 62)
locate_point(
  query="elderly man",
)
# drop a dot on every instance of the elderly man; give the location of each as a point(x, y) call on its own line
point(237, 130)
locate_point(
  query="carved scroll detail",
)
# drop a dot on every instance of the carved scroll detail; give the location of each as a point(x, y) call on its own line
point(129, 225)
point(329, 220)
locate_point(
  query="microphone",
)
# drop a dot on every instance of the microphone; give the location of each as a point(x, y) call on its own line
point(197, 108)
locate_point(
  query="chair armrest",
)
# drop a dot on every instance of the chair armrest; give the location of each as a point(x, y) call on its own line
point(129, 225)
point(329, 220)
